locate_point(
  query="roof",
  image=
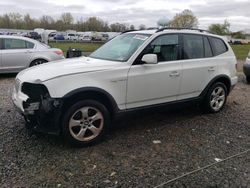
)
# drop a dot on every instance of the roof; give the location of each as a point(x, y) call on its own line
point(18, 37)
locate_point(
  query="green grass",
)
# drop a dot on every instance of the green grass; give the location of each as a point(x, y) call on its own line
point(84, 47)
point(241, 51)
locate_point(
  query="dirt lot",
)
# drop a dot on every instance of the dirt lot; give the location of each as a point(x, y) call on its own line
point(193, 149)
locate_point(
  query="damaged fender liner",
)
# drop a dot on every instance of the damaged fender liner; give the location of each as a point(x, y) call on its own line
point(41, 112)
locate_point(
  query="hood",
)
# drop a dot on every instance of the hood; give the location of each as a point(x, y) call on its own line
point(64, 67)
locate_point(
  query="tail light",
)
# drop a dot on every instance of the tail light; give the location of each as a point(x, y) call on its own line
point(59, 52)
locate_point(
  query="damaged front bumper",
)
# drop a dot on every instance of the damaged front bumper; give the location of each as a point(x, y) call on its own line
point(41, 112)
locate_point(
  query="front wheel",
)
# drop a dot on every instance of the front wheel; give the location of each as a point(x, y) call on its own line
point(85, 123)
point(216, 98)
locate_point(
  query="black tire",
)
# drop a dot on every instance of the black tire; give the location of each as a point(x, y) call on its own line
point(71, 135)
point(38, 62)
point(248, 79)
point(207, 102)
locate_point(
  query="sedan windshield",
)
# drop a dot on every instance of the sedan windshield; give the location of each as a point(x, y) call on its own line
point(120, 48)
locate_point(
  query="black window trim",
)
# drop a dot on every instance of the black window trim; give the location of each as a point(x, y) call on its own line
point(3, 44)
point(137, 61)
point(182, 45)
point(209, 39)
point(205, 36)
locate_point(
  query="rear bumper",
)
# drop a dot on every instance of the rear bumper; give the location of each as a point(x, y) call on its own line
point(234, 81)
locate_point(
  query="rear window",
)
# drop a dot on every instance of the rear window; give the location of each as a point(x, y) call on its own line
point(218, 45)
point(192, 46)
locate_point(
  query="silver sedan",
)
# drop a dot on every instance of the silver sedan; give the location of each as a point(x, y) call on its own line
point(18, 53)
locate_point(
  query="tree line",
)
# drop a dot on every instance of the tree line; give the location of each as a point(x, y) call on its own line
point(65, 22)
point(185, 19)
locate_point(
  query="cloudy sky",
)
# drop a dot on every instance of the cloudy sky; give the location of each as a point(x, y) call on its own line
point(137, 12)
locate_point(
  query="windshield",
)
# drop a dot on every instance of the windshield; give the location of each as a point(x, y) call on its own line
point(120, 48)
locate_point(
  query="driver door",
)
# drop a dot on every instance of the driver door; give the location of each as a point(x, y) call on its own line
point(150, 84)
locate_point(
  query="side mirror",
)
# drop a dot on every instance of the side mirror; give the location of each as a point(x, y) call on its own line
point(150, 58)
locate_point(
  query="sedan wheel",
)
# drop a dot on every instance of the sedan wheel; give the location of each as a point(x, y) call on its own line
point(37, 62)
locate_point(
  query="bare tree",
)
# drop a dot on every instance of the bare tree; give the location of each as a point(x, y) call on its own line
point(67, 18)
point(142, 27)
point(185, 19)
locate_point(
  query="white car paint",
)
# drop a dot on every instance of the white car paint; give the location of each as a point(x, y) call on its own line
point(132, 86)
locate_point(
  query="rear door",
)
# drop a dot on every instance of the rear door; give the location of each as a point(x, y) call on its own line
point(198, 65)
point(16, 54)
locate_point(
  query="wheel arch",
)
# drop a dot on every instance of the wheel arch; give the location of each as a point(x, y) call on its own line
point(93, 93)
point(38, 58)
point(221, 78)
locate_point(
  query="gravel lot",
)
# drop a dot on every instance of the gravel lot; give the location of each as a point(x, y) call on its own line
point(189, 141)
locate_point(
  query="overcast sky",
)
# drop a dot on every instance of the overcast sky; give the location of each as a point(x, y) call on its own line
point(137, 12)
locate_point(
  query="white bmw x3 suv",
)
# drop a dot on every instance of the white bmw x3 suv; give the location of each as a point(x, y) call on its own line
point(80, 97)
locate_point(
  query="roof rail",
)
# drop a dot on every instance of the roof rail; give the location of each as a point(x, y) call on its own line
point(153, 28)
point(128, 31)
point(181, 28)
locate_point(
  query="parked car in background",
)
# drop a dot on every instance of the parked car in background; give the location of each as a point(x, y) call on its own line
point(34, 35)
point(52, 36)
point(246, 68)
point(84, 37)
point(136, 70)
point(105, 37)
point(71, 36)
point(18, 53)
point(59, 37)
point(237, 42)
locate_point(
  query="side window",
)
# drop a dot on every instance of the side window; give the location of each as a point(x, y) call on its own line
point(14, 44)
point(207, 48)
point(218, 46)
point(29, 45)
point(1, 43)
point(165, 47)
point(192, 46)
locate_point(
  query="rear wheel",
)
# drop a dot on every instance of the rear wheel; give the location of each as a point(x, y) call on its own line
point(216, 98)
point(85, 123)
point(37, 62)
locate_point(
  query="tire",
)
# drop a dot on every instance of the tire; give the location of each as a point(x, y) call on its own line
point(215, 98)
point(248, 79)
point(38, 62)
point(79, 127)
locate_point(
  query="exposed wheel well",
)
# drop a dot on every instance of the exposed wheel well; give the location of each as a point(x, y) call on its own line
point(225, 81)
point(93, 95)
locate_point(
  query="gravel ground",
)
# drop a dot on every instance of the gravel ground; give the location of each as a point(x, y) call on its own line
point(195, 149)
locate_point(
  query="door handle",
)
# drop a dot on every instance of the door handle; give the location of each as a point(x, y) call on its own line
point(211, 69)
point(174, 74)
